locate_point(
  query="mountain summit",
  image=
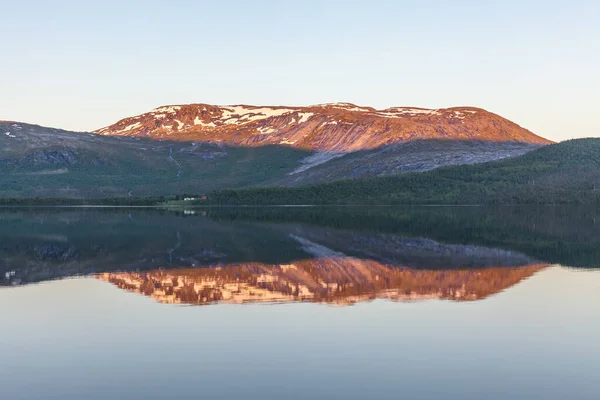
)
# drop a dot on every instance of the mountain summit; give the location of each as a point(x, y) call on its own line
point(336, 127)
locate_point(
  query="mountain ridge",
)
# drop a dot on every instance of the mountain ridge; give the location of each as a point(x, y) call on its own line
point(333, 127)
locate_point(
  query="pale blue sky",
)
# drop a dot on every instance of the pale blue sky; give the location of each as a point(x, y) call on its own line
point(83, 65)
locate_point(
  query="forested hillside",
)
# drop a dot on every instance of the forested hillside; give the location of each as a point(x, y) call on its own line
point(568, 172)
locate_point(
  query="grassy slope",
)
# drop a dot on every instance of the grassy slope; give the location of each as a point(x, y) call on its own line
point(45, 162)
point(567, 172)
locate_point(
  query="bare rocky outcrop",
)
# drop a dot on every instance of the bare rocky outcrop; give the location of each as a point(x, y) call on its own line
point(338, 128)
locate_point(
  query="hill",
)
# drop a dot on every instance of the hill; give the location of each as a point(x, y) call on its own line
point(567, 172)
point(44, 162)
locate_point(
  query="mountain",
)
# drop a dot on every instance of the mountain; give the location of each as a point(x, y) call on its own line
point(202, 148)
point(337, 128)
point(568, 172)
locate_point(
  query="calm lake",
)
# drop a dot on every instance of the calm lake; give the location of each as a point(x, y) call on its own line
point(300, 303)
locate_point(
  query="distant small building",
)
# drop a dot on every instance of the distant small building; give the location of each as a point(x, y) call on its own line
point(194, 198)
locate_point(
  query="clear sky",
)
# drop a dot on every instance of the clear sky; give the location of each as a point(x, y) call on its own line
point(84, 65)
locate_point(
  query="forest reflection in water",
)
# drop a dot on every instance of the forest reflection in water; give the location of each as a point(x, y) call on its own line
point(330, 255)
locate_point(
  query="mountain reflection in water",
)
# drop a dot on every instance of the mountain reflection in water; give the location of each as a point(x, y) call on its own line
point(328, 255)
point(335, 280)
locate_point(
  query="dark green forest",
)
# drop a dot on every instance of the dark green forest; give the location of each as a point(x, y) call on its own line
point(564, 173)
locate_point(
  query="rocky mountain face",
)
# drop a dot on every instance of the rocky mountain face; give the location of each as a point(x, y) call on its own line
point(338, 127)
point(405, 157)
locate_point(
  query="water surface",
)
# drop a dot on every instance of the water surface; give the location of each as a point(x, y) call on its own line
point(416, 303)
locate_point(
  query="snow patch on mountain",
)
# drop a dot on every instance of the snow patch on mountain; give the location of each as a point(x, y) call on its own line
point(132, 126)
point(399, 112)
point(167, 109)
point(266, 130)
point(241, 114)
point(304, 117)
point(198, 121)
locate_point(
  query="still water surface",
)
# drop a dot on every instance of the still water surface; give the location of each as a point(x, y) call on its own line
point(324, 303)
